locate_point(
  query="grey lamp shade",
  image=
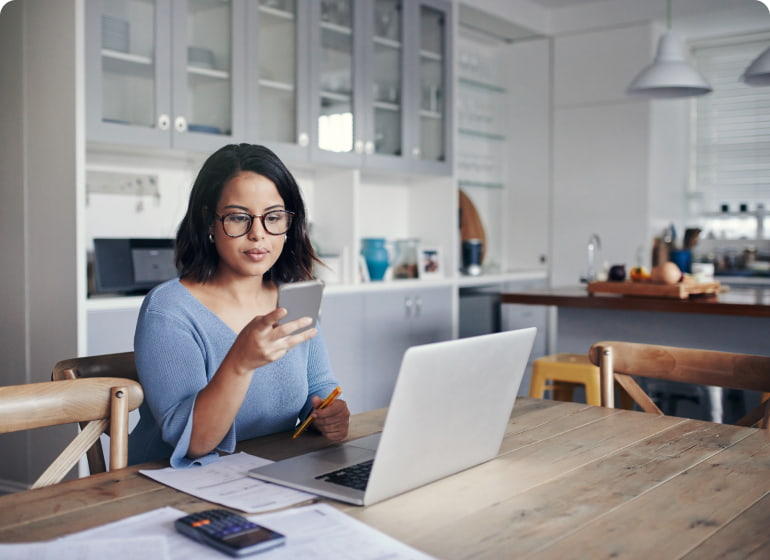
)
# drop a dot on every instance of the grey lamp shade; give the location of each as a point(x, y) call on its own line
point(758, 72)
point(669, 75)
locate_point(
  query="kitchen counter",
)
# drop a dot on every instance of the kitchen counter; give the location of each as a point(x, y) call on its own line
point(736, 301)
point(737, 320)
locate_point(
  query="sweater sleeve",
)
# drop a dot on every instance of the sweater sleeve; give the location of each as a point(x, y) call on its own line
point(171, 365)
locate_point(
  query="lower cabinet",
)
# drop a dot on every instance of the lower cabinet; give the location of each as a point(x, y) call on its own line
point(368, 333)
point(514, 316)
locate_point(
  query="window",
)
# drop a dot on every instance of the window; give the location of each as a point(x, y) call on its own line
point(732, 131)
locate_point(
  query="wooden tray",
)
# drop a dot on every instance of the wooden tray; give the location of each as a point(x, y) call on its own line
point(648, 289)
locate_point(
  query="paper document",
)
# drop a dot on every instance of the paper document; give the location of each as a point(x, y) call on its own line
point(113, 548)
point(227, 482)
point(317, 531)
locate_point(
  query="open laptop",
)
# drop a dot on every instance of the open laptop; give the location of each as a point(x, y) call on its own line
point(449, 412)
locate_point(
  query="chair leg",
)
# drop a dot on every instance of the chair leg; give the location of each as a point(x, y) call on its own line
point(536, 384)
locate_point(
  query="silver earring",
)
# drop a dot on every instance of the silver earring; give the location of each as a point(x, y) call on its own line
point(211, 238)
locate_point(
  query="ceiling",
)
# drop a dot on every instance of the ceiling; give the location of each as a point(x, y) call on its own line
point(692, 19)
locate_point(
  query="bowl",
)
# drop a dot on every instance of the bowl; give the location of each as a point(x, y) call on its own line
point(200, 57)
point(115, 35)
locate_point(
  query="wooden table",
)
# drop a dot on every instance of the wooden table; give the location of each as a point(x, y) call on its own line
point(571, 481)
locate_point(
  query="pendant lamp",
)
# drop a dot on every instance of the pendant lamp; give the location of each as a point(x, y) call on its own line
point(758, 72)
point(669, 75)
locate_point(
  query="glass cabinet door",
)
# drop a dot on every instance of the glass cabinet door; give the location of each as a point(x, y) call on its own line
point(277, 105)
point(430, 139)
point(385, 118)
point(337, 126)
point(128, 80)
point(205, 71)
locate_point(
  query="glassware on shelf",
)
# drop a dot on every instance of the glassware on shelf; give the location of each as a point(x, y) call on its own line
point(405, 260)
point(376, 255)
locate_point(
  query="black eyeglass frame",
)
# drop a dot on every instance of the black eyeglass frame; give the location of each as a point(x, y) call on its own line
point(251, 217)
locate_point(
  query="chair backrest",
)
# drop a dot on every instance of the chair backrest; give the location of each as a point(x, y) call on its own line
point(100, 403)
point(104, 365)
point(618, 361)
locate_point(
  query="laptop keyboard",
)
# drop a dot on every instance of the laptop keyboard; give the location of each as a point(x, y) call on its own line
point(355, 476)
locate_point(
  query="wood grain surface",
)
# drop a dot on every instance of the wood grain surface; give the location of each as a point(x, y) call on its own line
point(570, 481)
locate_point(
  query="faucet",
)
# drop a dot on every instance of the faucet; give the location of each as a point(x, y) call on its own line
point(594, 247)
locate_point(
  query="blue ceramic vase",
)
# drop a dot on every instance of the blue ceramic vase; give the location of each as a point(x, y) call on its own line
point(376, 256)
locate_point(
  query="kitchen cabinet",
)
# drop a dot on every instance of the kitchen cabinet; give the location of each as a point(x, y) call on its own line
point(278, 98)
point(165, 73)
point(381, 74)
point(394, 321)
point(367, 334)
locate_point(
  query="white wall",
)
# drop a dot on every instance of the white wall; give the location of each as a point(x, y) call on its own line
point(41, 163)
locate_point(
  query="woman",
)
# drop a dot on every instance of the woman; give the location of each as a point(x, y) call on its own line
point(215, 366)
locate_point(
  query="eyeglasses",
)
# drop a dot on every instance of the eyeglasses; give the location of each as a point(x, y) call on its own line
point(238, 224)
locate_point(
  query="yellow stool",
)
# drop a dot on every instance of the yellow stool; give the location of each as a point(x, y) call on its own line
point(565, 371)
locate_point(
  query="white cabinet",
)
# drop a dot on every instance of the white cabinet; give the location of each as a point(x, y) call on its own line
point(165, 73)
point(342, 323)
point(394, 322)
point(368, 333)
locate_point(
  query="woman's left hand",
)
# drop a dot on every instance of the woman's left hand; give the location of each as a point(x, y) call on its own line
point(332, 421)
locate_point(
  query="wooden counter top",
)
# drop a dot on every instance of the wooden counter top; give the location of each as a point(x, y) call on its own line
point(740, 302)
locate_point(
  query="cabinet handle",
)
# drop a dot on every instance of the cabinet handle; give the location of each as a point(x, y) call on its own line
point(180, 123)
point(303, 139)
point(417, 306)
point(164, 121)
point(415, 152)
point(359, 146)
point(369, 148)
point(408, 307)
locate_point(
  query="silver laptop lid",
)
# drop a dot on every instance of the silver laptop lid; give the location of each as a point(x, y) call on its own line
point(449, 409)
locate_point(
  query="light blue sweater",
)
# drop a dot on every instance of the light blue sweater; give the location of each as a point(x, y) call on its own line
point(179, 344)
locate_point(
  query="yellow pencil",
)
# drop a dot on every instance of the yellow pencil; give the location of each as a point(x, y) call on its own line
point(326, 402)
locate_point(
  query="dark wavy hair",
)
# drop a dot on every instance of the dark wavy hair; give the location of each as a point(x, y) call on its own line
point(197, 257)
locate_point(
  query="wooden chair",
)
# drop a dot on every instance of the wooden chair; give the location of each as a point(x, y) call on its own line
point(100, 403)
point(619, 361)
point(104, 365)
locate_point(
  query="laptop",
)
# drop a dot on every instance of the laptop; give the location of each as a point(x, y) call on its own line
point(449, 412)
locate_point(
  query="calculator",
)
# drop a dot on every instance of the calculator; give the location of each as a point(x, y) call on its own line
point(229, 532)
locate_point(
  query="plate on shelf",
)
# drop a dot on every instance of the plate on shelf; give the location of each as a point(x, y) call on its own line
point(200, 57)
point(204, 128)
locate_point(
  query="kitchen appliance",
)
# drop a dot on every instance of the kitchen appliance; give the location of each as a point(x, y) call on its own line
point(132, 265)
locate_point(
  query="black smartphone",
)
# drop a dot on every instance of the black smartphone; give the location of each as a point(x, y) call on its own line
point(301, 299)
point(229, 532)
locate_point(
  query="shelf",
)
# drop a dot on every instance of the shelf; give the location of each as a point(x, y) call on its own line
point(387, 106)
point(389, 43)
point(482, 85)
point(277, 13)
point(481, 134)
point(433, 115)
point(483, 184)
point(279, 86)
point(208, 73)
point(126, 64)
point(430, 55)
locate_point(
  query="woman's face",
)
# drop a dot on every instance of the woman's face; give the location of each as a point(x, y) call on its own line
point(256, 252)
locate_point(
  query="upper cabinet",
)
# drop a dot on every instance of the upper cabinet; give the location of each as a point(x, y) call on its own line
point(381, 82)
point(278, 76)
point(165, 73)
point(360, 83)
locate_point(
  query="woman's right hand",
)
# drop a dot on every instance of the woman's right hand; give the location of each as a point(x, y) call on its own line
point(263, 340)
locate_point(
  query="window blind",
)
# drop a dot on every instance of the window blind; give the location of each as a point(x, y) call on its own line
point(732, 131)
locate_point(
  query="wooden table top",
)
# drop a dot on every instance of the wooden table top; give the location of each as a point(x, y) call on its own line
point(742, 302)
point(571, 481)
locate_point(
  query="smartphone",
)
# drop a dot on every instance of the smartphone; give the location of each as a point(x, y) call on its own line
point(301, 299)
point(228, 532)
